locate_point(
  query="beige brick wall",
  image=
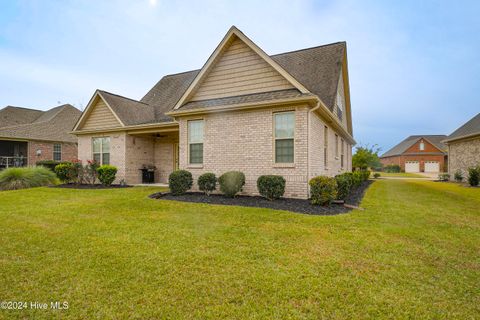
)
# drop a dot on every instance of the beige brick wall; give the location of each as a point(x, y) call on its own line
point(243, 141)
point(165, 156)
point(117, 151)
point(462, 155)
point(139, 153)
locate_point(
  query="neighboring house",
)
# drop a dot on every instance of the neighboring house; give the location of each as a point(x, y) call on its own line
point(464, 147)
point(28, 135)
point(287, 114)
point(418, 153)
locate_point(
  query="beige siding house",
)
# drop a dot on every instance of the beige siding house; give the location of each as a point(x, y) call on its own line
point(464, 147)
point(286, 114)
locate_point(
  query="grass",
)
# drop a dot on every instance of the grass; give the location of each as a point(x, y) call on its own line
point(400, 174)
point(114, 254)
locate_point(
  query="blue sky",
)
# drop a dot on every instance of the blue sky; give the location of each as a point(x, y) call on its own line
point(414, 65)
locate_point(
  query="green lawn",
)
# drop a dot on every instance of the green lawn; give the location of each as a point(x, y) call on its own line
point(400, 174)
point(115, 254)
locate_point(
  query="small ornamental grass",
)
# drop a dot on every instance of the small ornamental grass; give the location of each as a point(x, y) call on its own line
point(231, 183)
point(106, 174)
point(207, 183)
point(180, 181)
point(271, 187)
point(323, 190)
point(23, 178)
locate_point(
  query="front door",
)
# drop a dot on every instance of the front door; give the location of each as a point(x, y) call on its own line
point(176, 156)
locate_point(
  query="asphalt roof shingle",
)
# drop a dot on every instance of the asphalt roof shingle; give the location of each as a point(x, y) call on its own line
point(52, 125)
point(11, 116)
point(403, 146)
point(470, 128)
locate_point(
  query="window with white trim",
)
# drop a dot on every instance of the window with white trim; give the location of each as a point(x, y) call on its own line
point(57, 152)
point(342, 154)
point(195, 141)
point(284, 127)
point(336, 146)
point(325, 146)
point(422, 146)
point(101, 150)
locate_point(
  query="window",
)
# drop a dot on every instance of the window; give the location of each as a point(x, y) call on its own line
point(342, 154)
point(57, 152)
point(325, 146)
point(195, 141)
point(422, 146)
point(101, 150)
point(284, 123)
point(336, 146)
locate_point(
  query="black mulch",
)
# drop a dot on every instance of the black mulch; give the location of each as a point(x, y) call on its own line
point(294, 205)
point(90, 186)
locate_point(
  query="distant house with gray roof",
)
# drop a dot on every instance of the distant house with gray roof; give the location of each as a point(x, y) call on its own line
point(28, 135)
point(418, 153)
point(287, 114)
point(464, 147)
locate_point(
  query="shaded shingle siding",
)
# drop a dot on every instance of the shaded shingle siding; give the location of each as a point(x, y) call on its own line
point(100, 117)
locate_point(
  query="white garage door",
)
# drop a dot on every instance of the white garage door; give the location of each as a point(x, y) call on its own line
point(412, 166)
point(432, 166)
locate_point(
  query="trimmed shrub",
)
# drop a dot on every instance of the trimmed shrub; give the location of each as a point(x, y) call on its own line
point(392, 168)
point(207, 183)
point(365, 174)
point(29, 177)
point(106, 174)
point(180, 181)
point(473, 176)
point(231, 183)
point(49, 164)
point(323, 190)
point(376, 175)
point(443, 177)
point(458, 176)
point(271, 187)
point(344, 185)
point(66, 172)
point(357, 178)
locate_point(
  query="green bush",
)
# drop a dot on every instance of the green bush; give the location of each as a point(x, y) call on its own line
point(474, 176)
point(88, 173)
point(344, 185)
point(271, 186)
point(392, 168)
point(207, 183)
point(458, 176)
point(323, 190)
point(29, 177)
point(357, 178)
point(106, 174)
point(376, 175)
point(366, 174)
point(231, 183)
point(180, 181)
point(49, 164)
point(66, 172)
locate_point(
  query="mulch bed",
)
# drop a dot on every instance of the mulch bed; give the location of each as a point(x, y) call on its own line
point(90, 186)
point(294, 205)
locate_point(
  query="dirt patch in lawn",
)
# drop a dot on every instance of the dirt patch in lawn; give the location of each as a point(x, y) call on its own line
point(90, 186)
point(294, 205)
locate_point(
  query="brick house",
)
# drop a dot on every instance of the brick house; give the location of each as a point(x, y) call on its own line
point(464, 147)
point(29, 135)
point(286, 114)
point(418, 153)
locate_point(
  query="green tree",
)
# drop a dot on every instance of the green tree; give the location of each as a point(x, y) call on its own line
point(366, 157)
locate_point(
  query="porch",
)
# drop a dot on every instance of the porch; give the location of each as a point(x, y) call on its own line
point(13, 154)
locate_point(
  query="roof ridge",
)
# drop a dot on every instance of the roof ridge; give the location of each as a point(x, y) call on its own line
point(120, 96)
point(309, 48)
point(25, 108)
point(178, 73)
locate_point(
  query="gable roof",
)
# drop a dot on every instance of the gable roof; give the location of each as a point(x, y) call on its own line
point(314, 71)
point(470, 128)
point(399, 149)
point(232, 34)
point(52, 125)
point(11, 116)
